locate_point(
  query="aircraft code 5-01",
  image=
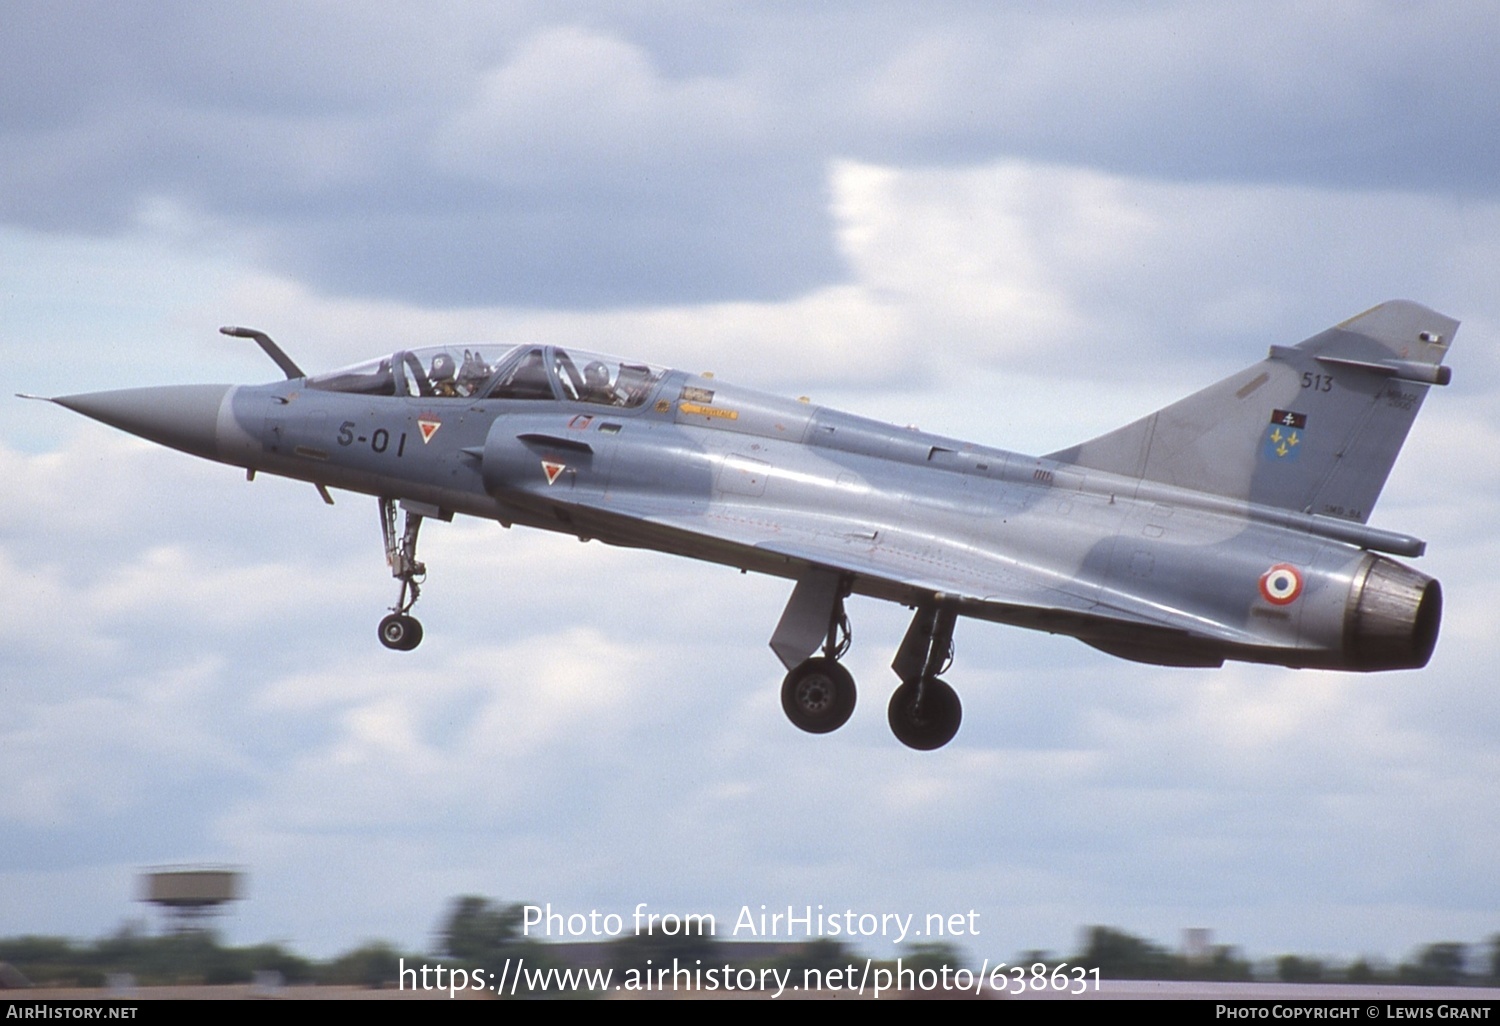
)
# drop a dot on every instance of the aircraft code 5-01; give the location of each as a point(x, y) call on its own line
point(379, 439)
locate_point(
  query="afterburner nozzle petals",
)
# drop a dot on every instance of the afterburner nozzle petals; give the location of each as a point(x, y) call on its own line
point(184, 417)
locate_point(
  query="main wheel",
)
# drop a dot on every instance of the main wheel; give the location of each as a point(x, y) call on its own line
point(930, 725)
point(818, 695)
point(399, 632)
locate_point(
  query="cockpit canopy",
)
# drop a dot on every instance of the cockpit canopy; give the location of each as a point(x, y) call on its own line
point(521, 372)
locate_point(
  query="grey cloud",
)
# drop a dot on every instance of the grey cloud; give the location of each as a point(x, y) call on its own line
point(597, 155)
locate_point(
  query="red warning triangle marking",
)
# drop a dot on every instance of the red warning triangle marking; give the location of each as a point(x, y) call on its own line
point(552, 470)
point(429, 428)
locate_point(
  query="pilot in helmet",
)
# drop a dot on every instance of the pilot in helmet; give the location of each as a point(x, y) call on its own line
point(443, 375)
point(596, 382)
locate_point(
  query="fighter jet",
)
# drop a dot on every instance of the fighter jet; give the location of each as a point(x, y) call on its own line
point(1229, 525)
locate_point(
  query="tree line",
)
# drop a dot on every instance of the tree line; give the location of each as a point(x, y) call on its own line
point(480, 933)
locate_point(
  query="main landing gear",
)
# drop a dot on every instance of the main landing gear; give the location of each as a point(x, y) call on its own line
point(818, 694)
point(400, 630)
point(925, 712)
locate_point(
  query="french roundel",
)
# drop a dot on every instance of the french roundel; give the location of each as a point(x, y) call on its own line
point(1281, 584)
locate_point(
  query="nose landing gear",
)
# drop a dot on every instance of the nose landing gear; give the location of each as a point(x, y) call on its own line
point(400, 630)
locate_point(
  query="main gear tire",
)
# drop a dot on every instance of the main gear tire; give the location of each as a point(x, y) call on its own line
point(930, 724)
point(818, 695)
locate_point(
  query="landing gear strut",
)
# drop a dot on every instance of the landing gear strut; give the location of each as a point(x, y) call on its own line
point(818, 694)
point(925, 712)
point(400, 630)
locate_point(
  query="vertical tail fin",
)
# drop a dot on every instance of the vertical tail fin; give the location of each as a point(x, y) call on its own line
point(1313, 427)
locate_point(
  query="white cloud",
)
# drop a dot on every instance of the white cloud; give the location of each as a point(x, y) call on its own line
point(572, 102)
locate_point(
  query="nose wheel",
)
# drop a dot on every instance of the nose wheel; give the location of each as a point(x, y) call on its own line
point(400, 630)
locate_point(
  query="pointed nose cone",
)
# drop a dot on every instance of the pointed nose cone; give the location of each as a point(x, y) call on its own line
point(184, 417)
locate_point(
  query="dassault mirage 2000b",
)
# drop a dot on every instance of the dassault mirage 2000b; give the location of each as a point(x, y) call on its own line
point(1229, 525)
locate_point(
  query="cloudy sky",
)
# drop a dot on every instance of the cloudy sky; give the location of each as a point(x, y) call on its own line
point(1017, 227)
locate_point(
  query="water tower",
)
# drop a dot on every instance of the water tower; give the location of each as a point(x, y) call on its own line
point(191, 896)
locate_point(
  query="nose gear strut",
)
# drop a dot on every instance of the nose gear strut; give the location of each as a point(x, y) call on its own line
point(400, 630)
